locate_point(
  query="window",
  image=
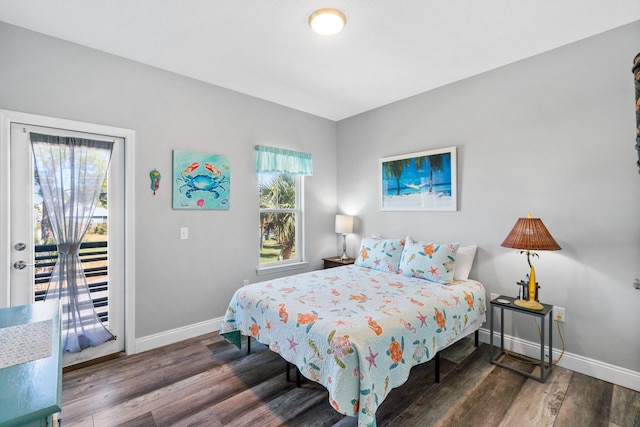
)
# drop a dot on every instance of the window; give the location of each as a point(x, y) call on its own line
point(281, 218)
point(280, 176)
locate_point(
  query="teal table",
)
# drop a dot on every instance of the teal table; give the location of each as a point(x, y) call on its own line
point(31, 392)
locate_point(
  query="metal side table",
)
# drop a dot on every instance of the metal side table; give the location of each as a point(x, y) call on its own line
point(547, 311)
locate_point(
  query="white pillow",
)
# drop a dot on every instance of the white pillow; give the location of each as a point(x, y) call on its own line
point(464, 261)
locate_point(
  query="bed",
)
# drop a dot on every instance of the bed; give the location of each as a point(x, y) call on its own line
point(359, 329)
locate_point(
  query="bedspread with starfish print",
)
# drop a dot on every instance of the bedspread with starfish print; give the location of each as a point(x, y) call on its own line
point(355, 330)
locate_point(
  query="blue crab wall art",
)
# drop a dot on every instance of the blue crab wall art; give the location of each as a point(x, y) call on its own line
point(200, 181)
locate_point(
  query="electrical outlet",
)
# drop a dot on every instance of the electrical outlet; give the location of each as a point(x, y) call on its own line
point(559, 314)
point(245, 282)
point(494, 296)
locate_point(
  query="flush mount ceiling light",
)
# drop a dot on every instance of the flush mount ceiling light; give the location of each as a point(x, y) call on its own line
point(327, 21)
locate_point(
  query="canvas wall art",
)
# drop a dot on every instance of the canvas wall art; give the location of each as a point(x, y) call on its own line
point(200, 181)
point(424, 181)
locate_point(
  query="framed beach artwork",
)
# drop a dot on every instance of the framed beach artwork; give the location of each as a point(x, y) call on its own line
point(424, 181)
point(200, 181)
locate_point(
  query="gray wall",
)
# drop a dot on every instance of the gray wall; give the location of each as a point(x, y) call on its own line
point(552, 135)
point(178, 282)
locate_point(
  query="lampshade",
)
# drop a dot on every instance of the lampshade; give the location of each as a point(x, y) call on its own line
point(344, 224)
point(327, 21)
point(530, 234)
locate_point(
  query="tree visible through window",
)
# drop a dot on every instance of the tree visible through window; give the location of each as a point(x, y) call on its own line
point(280, 214)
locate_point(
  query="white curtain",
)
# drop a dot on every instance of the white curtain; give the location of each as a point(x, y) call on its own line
point(71, 173)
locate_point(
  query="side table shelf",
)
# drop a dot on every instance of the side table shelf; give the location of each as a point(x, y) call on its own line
point(547, 311)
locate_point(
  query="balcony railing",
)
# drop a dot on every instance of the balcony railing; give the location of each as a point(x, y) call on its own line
point(94, 256)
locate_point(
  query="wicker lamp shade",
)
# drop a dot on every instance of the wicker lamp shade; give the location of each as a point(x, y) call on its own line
point(530, 234)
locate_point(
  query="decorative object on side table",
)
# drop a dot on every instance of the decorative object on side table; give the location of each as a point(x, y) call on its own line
point(530, 234)
point(344, 225)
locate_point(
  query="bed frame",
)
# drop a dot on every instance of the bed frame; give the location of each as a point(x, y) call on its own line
point(436, 358)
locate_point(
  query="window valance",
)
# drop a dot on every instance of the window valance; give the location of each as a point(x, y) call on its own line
point(272, 159)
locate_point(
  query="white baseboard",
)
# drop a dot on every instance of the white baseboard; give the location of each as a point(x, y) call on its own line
point(174, 335)
point(584, 365)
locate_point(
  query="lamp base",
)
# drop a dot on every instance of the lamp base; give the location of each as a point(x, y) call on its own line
point(344, 256)
point(528, 304)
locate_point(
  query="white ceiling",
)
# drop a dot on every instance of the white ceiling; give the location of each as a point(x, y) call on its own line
point(388, 51)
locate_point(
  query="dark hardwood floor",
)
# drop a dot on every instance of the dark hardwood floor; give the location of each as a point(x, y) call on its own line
point(205, 381)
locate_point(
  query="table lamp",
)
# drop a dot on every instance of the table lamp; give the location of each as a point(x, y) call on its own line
point(344, 225)
point(530, 234)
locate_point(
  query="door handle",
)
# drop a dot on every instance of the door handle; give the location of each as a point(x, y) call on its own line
point(20, 265)
point(20, 246)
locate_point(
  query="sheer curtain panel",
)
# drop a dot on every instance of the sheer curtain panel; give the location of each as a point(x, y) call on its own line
point(71, 173)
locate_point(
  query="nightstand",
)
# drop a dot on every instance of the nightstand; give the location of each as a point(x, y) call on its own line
point(337, 262)
point(547, 311)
